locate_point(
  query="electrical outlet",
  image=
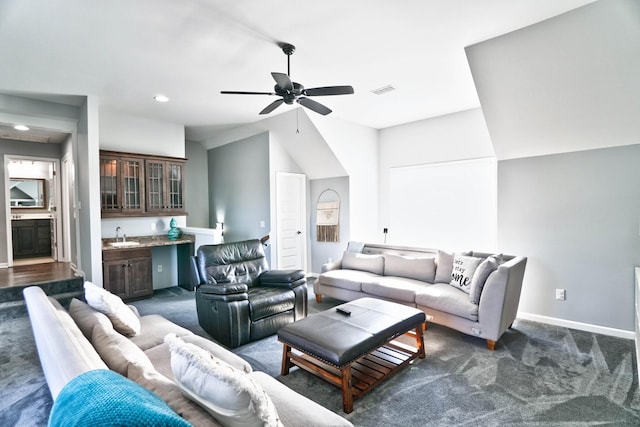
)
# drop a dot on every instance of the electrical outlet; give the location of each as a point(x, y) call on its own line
point(159, 268)
point(561, 294)
point(153, 226)
point(262, 224)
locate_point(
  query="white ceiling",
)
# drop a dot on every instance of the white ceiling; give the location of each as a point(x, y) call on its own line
point(125, 52)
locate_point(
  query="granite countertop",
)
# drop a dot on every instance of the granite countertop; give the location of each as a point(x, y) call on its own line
point(148, 241)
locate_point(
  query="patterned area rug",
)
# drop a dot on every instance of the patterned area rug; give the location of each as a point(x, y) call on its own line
point(539, 375)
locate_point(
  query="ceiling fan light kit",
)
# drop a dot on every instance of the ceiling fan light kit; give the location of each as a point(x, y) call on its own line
point(290, 91)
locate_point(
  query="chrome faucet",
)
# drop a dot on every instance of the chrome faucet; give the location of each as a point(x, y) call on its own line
point(118, 231)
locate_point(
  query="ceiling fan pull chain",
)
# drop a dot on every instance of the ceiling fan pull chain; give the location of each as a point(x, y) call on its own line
point(297, 125)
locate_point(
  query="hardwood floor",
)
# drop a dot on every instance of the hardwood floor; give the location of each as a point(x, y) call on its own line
point(36, 273)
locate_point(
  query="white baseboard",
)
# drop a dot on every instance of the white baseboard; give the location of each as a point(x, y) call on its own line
point(588, 327)
point(4, 265)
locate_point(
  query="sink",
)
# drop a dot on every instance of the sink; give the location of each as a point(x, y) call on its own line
point(123, 244)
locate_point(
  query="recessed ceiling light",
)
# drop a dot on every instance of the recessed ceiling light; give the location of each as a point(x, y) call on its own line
point(161, 98)
point(21, 127)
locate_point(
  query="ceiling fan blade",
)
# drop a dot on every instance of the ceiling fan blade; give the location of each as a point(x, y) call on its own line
point(314, 106)
point(237, 92)
point(283, 81)
point(328, 90)
point(269, 108)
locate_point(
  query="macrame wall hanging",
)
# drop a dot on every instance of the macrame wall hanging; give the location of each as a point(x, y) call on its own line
point(328, 217)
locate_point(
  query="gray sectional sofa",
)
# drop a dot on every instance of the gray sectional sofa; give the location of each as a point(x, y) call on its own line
point(79, 341)
point(482, 301)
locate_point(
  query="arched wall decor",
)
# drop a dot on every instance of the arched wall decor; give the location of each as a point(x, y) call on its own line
point(328, 216)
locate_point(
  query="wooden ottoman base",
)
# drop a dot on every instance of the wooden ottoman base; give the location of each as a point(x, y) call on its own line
point(355, 377)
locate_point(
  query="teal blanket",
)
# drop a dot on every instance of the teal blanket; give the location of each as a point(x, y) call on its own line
point(105, 398)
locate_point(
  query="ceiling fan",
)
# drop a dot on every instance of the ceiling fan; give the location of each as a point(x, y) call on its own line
point(290, 91)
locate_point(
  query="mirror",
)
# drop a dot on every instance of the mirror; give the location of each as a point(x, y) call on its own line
point(27, 193)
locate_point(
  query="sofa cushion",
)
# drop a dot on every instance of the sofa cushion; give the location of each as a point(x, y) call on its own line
point(124, 320)
point(265, 301)
point(394, 288)
point(231, 396)
point(153, 329)
point(371, 263)
point(480, 276)
point(351, 280)
point(423, 269)
point(147, 376)
point(446, 298)
point(115, 349)
point(463, 269)
point(295, 409)
point(102, 397)
point(87, 317)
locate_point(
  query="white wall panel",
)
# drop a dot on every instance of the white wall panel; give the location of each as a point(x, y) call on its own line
point(448, 206)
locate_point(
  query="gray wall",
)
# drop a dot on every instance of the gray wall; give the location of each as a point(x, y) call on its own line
point(322, 251)
point(239, 187)
point(196, 195)
point(576, 217)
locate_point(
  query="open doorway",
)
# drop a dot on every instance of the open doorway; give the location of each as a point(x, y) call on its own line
point(33, 202)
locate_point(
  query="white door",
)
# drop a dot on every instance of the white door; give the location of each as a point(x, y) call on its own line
point(290, 219)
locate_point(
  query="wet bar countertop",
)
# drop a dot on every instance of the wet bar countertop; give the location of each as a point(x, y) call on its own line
point(148, 241)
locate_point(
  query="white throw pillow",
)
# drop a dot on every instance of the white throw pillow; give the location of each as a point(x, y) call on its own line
point(123, 318)
point(444, 266)
point(462, 272)
point(232, 397)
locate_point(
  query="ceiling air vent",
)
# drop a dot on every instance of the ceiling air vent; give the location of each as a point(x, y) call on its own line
point(383, 90)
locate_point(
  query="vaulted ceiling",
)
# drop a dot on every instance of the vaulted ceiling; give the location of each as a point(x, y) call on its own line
point(126, 52)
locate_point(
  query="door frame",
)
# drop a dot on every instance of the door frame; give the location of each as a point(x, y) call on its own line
point(57, 200)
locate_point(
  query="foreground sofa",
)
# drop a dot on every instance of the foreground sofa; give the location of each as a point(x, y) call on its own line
point(66, 354)
point(422, 278)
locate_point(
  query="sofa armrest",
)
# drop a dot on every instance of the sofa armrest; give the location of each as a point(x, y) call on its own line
point(225, 293)
point(289, 279)
point(500, 297)
point(335, 265)
point(195, 275)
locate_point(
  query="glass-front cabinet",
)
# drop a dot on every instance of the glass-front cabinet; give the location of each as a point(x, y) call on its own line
point(139, 185)
point(121, 184)
point(165, 186)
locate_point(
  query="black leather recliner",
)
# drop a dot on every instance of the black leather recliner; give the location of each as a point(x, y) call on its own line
point(239, 299)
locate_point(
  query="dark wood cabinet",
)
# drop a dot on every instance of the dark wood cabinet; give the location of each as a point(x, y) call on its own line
point(31, 238)
point(121, 184)
point(141, 185)
point(127, 272)
point(165, 186)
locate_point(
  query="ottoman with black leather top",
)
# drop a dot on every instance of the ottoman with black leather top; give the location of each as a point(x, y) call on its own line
point(356, 351)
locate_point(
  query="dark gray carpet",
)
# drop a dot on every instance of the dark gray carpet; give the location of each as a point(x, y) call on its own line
point(539, 375)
